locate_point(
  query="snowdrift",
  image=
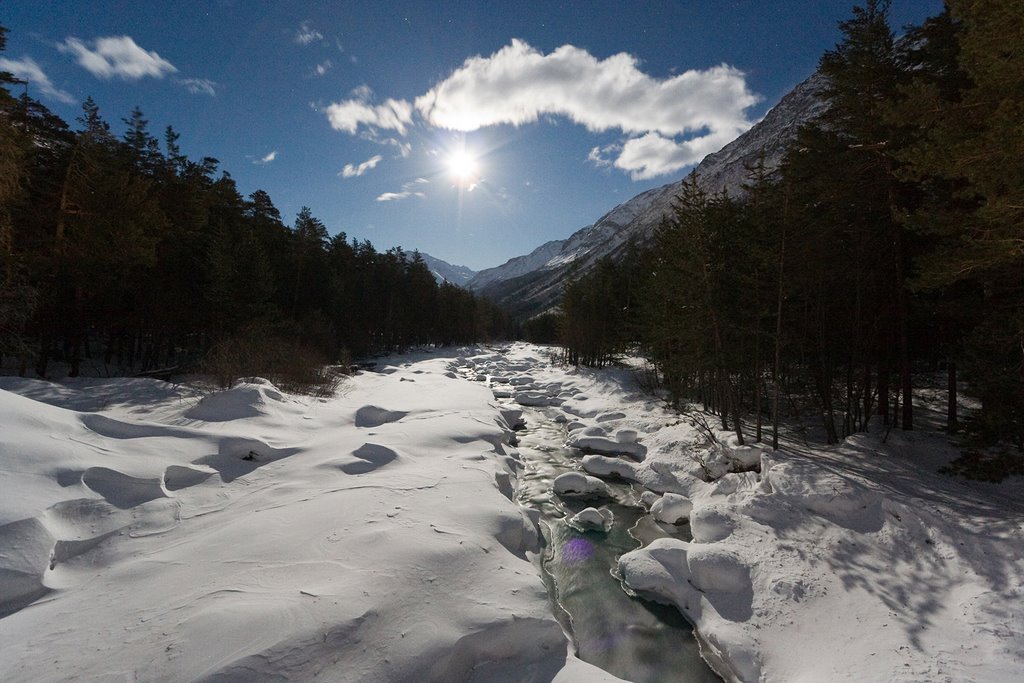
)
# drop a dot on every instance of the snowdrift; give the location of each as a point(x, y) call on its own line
point(149, 532)
point(251, 535)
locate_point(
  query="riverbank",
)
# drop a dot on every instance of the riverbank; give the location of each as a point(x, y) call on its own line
point(149, 531)
point(854, 562)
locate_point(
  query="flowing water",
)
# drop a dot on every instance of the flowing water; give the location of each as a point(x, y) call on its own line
point(633, 639)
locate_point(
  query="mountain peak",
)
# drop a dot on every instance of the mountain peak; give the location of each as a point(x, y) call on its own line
point(447, 272)
point(533, 283)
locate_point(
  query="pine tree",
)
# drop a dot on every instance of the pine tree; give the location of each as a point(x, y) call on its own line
point(969, 105)
point(309, 239)
point(17, 296)
point(142, 149)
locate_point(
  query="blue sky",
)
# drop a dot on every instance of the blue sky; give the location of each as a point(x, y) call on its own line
point(360, 110)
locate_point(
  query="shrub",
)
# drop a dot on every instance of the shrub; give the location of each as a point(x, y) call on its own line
point(291, 365)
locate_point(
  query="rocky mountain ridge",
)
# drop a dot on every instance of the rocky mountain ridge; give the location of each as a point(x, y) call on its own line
point(531, 284)
point(447, 272)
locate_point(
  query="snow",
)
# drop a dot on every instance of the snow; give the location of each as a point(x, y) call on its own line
point(550, 265)
point(672, 508)
point(598, 519)
point(811, 563)
point(574, 484)
point(605, 446)
point(250, 535)
point(149, 531)
point(532, 398)
point(514, 267)
point(604, 466)
point(447, 272)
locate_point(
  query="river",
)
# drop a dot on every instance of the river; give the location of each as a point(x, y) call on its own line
point(634, 639)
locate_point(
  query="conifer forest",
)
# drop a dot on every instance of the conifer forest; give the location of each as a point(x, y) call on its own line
point(887, 245)
point(120, 250)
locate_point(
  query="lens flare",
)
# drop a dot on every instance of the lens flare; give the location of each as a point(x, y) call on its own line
point(577, 550)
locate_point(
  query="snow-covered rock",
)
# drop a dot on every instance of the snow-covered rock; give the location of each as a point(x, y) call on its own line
point(532, 398)
point(605, 446)
point(715, 569)
point(596, 519)
point(647, 498)
point(576, 484)
point(513, 417)
point(604, 466)
point(626, 435)
point(711, 522)
point(672, 508)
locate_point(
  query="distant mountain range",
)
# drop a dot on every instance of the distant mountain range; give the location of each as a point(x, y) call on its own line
point(446, 272)
point(532, 284)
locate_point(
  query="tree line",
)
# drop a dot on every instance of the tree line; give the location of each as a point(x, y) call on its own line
point(123, 251)
point(888, 243)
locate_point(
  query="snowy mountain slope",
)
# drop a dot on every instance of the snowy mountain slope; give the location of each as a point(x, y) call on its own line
point(446, 272)
point(533, 283)
point(726, 168)
point(520, 265)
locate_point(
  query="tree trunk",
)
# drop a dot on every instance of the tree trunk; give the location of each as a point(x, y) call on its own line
point(905, 374)
point(758, 388)
point(735, 404)
point(44, 357)
point(867, 396)
point(883, 390)
point(778, 328)
point(951, 415)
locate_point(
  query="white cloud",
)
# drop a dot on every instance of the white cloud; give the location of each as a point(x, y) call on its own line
point(26, 69)
point(199, 86)
point(306, 34)
point(408, 190)
point(598, 156)
point(362, 92)
point(652, 155)
point(117, 56)
point(404, 149)
point(323, 67)
point(669, 122)
point(518, 84)
point(263, 161)
point(348, 115)
point(350, 171)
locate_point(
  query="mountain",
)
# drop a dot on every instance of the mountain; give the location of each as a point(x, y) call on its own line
point(520, 265)
point(444, 271)
point(531, 284)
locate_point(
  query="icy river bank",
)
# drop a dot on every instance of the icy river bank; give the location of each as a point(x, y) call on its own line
point(858, 561)
point(158, 531)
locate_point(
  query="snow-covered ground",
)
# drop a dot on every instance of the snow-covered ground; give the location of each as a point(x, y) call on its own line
point(858, 562)
point(250, 535)
point(148, 532)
